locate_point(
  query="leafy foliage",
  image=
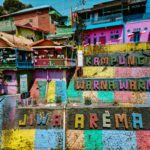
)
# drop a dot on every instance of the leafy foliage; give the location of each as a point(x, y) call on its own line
point(88, 101)
point(2, 12)
point(10, 6)
point(79, 33)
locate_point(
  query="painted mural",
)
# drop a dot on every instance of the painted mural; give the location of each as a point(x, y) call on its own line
point(22, 128)
point(104, 128)
point(90, 94)
point(108, 139)
point(46, 92)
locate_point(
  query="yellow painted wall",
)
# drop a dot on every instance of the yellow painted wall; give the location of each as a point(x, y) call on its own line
point(115, 48)
point(18, 139)
point(102, 72)
point(51, 92)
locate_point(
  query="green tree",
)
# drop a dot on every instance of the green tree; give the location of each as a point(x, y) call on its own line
point(14, 5)
point(79, 32)
point(1, 11)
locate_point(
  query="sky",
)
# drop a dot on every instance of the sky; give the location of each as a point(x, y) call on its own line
point(63, 6)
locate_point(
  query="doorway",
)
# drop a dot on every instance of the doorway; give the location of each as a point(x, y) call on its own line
point(102, 40)
point(136, 37)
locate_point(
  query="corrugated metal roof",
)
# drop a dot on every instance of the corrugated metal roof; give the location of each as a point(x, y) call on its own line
point(31, 9)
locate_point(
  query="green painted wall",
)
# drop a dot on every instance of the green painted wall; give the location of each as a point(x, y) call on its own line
point(7, 25)
point(74, 95)
point(63, 30)
point(28, 33)
point(93, 139)
point(105, 96)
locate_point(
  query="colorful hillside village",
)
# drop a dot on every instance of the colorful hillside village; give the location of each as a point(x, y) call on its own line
point(76, 82)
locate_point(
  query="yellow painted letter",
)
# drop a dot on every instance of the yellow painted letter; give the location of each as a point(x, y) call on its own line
point(24, 121)
point(79, 120)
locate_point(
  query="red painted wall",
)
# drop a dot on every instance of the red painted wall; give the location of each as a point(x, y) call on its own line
point(39, 19)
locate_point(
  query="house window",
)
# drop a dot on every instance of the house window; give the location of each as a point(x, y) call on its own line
point(114, 37)
point(136, 37)
point(145, 28)
point(137, 30)
point(88, 16)
point(102, 40)
point(95, 40)
point(89, 41)
point(30, 20)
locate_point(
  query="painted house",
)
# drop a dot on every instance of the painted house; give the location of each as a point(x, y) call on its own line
point(15, 52)
point(138, 31)
point(38, 17)
point(42, 23)
point(64, 33)
point(7, 24)
point(15, 59)
point(53, 64)
point(105, 22)
point(49, 54)
point(30, 32)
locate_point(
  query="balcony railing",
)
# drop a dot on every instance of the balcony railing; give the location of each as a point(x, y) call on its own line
point(105, 19)
point(134, 17)
point(16, 65)
point(24, 64)
point(7, 65)
point(54, 63)
point(115, 48)
point(109, 18)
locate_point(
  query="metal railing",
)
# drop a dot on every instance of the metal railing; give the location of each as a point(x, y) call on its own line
point(55, 62)
point(109, 18)
point(105, 19)
point(134, 17)
point(7, 65)
point(24, 64)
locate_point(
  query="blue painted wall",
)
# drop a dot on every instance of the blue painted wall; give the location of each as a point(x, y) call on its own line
point(48, 139)
point(124, 140)
point(61, 90)
point(1, 117)
point(148, 6)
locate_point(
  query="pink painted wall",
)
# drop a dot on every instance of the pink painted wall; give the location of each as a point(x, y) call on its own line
point(105, 32)
point(12, 86)
point(51, 74)
point(143, 140)
point(131, 26)
point(126, 72)
point(131, 97)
